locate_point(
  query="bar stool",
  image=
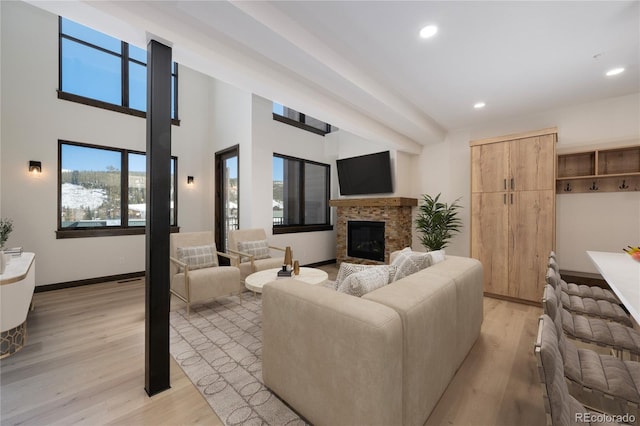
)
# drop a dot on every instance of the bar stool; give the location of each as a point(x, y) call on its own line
point(588, 306)
point(602, 382)
point(572, 289)
point(596, 331)
point(561, 408)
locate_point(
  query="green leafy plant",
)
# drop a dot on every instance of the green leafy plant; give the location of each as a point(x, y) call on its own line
point(6, 226)
point(437, 222)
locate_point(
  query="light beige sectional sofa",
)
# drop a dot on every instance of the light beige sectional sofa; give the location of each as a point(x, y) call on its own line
point(381, 359)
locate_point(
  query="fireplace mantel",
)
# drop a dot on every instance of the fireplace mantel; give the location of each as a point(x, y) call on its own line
point(374, 202)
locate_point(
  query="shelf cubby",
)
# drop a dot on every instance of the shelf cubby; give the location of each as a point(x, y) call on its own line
point(602, 170)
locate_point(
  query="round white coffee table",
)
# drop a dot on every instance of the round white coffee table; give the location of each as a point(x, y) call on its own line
point(257, 280)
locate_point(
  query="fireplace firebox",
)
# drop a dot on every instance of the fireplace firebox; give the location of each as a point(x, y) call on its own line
point(365, 240)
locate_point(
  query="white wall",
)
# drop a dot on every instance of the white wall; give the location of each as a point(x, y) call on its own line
point(33, 120)
point(269, 137)
point(607, 221)
point(444, 169)
point(191, 143)
point(230, 126)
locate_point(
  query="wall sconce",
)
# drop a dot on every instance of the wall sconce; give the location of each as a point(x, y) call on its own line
point(189, 180)
point(35, 167)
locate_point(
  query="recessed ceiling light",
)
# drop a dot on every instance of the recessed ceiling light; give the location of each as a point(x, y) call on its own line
point(428, 31)
point(479, 105)
point(614, 71)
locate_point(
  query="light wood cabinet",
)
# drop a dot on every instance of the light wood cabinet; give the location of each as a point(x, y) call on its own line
point(489, 168)
point(601, 170)
point(490, 238)
point(513, 211)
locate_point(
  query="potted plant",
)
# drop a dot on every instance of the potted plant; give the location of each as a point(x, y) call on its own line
point(6, 226)
point(437, 222)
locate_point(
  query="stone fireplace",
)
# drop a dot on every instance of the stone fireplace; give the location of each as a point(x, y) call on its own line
point(388, 219)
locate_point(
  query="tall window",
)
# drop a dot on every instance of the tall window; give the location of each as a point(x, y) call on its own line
point(102, 191)
point(297, 119)
point(99, 70)
point(300, 195)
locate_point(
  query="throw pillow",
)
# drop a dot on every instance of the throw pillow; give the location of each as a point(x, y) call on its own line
point(409, 262)
point(367, 280)
point(437, 256)
point(347, 269)
point(198, 257)
point(259, 249)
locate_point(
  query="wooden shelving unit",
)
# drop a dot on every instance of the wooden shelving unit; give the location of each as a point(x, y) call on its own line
point(599, 170)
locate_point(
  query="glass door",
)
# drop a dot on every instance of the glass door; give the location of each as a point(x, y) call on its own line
point(227, 195)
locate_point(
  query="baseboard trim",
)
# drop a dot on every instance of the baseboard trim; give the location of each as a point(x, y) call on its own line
point(133, 276)
point(121, 278)
point(323, 263)
point(514, 299)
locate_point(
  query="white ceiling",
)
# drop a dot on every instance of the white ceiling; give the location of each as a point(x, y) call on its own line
point(361, 66)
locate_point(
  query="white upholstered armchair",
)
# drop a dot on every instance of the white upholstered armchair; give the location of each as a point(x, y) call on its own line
point(195, 273)
point(254, 251)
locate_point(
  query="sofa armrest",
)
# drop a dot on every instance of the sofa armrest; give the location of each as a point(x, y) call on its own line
point(242, 254)
point(277, 248)
point(177, 262)
point(235, 259)
point(335, 358)
point(180, 264)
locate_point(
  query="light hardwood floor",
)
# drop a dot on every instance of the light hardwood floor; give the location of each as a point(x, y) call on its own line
point(84, 364)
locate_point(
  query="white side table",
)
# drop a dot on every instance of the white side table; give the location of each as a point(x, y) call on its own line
point(257, 280)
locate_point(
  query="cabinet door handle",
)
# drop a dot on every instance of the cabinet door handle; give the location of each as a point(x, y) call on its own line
point(505, 184)
point(511, 198)
point(512, 183)
point(504, 198)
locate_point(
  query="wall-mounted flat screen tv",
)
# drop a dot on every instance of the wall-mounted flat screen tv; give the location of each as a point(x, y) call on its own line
point(365, 174)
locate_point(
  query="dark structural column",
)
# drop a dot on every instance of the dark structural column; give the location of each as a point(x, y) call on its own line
point(157, 298)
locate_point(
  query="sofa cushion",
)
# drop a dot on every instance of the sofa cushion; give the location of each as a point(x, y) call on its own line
point(409, 262)
point(371, 278)
point(197, 257)
point(226, 279)
point(259, 249)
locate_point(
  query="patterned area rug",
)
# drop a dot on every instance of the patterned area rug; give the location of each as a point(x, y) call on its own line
point(220, 350)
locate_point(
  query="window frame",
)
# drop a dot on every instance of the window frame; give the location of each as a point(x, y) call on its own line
point(301, 122)
point(124, 75)
point(124, 228)
point(327, 226)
